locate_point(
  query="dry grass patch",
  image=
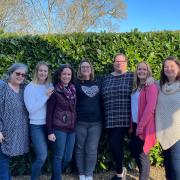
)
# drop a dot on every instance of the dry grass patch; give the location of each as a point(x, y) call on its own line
point(156, 173)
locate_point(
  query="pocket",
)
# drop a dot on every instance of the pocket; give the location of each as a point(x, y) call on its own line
point(63, 119)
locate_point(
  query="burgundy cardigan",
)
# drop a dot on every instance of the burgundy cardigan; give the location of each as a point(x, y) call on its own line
point(61, 112)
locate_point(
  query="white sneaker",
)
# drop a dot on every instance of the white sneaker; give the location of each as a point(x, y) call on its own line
point(82, 177)
point(89, 178)
point(124, 173)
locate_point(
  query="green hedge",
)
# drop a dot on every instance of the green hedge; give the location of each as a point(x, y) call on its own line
point(152, 47)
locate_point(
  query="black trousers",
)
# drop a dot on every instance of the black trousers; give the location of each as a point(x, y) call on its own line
point(142, 159)
point(115, 138)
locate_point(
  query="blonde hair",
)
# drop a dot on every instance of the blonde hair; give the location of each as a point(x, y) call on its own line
point(35, 74)
point(80, 76)
point(136, 81)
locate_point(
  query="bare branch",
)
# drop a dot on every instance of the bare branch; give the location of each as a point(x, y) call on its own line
point(64, 16)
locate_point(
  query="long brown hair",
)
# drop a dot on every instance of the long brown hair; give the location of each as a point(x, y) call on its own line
point(163, 77)
point(79, 75)
point(57, 74)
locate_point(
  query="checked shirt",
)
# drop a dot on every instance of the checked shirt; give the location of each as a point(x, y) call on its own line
point(116, 95)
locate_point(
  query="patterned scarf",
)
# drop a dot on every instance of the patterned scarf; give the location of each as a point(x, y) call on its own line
point(69, 91)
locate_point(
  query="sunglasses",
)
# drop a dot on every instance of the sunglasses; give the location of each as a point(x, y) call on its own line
point(20, 74)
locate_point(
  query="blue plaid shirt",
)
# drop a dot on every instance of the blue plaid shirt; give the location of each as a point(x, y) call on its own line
point(116, 95)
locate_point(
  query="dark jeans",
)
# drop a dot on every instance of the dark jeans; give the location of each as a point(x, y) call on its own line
point(116, 137)
point(172, 162)
point(4, 166)
point(142, 160)
point(87, 140)
point(62, 152)
point(39, 142)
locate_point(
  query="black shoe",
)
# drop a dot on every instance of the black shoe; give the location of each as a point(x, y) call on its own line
point(116, 178)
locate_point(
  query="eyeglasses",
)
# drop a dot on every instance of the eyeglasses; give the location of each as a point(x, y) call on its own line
point(120, 62)
point(20, 74)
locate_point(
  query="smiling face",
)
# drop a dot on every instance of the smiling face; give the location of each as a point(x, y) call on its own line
point(42, 74)
point(66, 76)
point(85, 69)
point(120, 64)
point(142, 71)
point(18, 76)
point(171, 70)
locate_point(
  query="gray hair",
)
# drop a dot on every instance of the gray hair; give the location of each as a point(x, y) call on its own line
point(13, 68)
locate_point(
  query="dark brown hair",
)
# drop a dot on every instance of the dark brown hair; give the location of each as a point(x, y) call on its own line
point(57, 74)
point(163, 77)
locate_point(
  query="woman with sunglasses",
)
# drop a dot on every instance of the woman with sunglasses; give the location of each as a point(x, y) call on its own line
point(36, 95)
point(14, 139)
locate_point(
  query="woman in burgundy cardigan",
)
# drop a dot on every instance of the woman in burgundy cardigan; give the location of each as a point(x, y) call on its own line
point(61, 118)
point(143, 103)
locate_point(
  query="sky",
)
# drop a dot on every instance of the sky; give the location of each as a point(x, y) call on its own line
point(151, 15)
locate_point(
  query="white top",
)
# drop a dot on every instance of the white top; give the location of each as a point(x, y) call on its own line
point(134, 106)
point(35, 98)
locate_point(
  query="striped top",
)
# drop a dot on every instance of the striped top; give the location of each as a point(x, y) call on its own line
point(116, 95)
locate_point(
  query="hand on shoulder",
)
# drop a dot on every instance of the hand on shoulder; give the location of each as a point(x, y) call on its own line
point(50, 91)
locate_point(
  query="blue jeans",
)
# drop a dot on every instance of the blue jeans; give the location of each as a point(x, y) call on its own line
point(39, 142)
point(4, 166)
point(172, 162)
point(62, 152)
point(87, 140)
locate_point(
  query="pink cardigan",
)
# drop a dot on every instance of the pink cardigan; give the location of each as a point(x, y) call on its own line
point(146, 116)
